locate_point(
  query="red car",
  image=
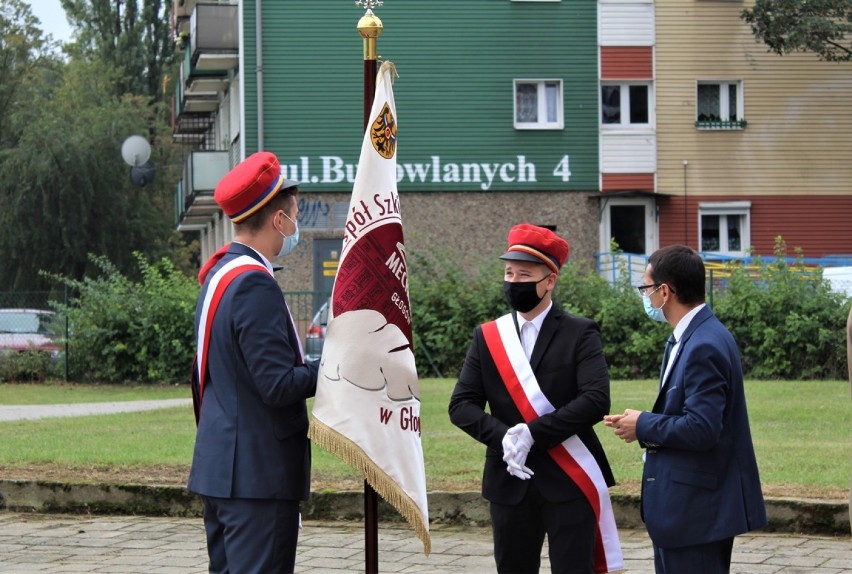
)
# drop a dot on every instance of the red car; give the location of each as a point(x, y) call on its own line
point(28, 329)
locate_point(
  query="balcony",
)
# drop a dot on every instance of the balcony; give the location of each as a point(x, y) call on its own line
point(214, 37)
point(194, 203)
point(192, 112)
point(202, 83)
point(183, 8)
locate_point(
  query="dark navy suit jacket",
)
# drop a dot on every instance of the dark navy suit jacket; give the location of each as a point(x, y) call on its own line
point(700, 482)
point(252, 433)
point(570, 368)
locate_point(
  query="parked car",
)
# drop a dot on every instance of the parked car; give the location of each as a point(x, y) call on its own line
point(28, 329)
point(315, 335)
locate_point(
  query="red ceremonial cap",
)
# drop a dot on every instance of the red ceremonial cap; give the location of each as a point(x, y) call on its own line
point(250, 185)
point(536, 244)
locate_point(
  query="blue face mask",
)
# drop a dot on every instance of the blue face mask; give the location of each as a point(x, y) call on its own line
point(655, 313)
point(290, 241)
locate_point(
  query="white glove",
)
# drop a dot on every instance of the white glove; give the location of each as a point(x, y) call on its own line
point(524, 439)
point(516, 446)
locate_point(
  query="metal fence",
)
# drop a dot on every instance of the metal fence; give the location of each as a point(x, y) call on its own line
point(304, 305)
point(837, 270)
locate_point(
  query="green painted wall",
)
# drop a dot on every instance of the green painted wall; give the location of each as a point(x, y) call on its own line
point(457, 61)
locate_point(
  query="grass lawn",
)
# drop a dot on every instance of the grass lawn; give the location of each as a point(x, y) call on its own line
point(802, 443)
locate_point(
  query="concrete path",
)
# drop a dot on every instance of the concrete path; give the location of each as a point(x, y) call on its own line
point(43, 543)
point(29, 412)
point(48, 543)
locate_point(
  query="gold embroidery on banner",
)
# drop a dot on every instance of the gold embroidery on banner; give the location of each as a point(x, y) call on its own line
point(383, 133)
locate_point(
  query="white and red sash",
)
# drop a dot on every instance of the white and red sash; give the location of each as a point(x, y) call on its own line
point(215, 290)
point(572, 456)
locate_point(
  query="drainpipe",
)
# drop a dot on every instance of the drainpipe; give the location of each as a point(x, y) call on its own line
point(259, 60)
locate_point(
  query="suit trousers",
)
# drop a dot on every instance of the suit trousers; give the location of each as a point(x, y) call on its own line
point(712, 558)
point(251, 536)
point(519, 532)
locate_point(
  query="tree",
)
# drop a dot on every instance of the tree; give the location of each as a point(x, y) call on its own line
point(23, 53)
point(137, 42)
point(818, 26)
point(64, 190)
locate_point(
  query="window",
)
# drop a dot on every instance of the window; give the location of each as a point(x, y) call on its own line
point(724, 227)
point(719, 105)
point(538, 104)
point(625, 104)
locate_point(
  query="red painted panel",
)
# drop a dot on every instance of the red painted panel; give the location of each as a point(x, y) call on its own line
point(627, 63)
point(627, 182)
point(818, 224)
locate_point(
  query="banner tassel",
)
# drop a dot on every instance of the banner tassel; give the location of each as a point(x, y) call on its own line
point(353, 455)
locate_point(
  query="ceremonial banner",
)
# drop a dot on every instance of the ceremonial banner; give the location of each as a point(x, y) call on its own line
point(367, 406)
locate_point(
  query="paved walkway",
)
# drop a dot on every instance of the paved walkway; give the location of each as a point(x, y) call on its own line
point(42, 543)
point(29, 412)
point(61, 543)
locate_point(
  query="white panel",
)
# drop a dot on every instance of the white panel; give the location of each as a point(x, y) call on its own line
point(628, 153)
point(628, 24)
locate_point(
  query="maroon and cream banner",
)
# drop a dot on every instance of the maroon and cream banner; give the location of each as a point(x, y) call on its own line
point(367, 406)
point(572, 456)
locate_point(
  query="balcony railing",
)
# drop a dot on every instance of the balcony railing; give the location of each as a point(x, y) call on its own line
point(721, 124)
point(214, 36)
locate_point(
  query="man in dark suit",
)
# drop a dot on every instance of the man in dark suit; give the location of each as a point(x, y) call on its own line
point(543, 376)
point(251, 464)
point(700, 485)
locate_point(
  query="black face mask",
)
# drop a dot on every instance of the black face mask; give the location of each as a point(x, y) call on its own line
point(522, 296)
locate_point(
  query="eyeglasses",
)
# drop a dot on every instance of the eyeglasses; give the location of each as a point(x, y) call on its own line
point(643, 289)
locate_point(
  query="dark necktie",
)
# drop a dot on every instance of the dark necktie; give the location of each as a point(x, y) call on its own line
point(669, 345)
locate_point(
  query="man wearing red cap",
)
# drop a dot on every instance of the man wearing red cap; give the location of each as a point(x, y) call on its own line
point(543, 376)
point(251, 463)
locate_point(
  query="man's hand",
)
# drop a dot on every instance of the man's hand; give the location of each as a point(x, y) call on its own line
point(624, 424)
point(516, 446)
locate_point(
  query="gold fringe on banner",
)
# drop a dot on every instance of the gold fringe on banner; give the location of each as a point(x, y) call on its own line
point(353, 455)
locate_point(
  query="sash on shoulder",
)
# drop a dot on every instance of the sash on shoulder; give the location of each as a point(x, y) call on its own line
point(215, 290)
point(572, 456)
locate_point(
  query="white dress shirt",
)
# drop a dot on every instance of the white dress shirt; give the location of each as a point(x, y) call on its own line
point(678, 332)
point(529, 330)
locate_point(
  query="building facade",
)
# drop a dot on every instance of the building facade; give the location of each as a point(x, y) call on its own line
point(649, 123)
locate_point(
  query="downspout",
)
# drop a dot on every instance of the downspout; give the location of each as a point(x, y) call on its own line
point(259, 60)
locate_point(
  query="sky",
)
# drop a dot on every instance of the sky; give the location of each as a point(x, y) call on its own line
point(52, 18)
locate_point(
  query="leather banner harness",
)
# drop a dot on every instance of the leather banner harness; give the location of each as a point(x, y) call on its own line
point(572, 456)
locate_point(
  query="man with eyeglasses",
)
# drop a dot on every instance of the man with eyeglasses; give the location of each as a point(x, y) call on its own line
point(700, 485)
point(543, 376)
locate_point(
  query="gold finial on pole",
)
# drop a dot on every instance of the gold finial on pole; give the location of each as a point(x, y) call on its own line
point(370, 27)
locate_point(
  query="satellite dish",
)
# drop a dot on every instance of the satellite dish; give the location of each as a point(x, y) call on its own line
point(142, 175)
point(135, 150)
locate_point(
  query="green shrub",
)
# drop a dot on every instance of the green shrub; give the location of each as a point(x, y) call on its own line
point(447, 303)
point(786, 320)
point(30, 366)
point(121, 331)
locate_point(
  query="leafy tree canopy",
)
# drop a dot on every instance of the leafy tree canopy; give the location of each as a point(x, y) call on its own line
point(131, 35)
point(64, 190)
point(818, 26)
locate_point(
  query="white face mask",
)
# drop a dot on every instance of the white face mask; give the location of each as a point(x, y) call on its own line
point(655, 313)
point(290, 241)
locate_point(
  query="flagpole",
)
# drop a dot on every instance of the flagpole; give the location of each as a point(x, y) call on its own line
point(370, 28)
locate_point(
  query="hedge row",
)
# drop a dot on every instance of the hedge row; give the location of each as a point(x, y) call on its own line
point(786, 320)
